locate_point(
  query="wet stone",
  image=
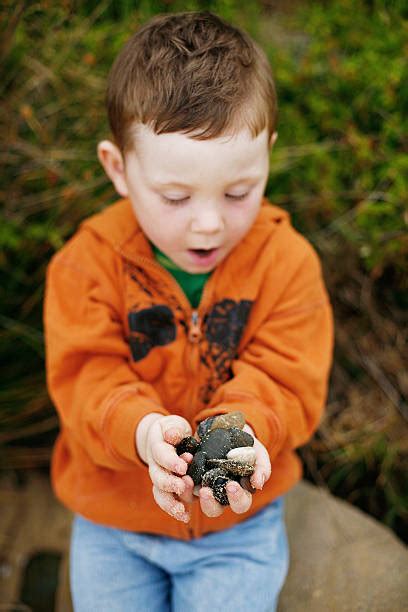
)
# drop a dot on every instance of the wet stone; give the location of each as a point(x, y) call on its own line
point(196, 468)
point(240, 438)
point(204, 427)
point(246, 484)
point(232, 467)
point(219, 490)
point(188, 445)
point(223, 453)
point(216, 444)
point(244, 454)
point(226, 421)
point(210, 476)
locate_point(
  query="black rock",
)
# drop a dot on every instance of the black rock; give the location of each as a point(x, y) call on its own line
point(210, 466)
point(204, 427)
point(188, 445)
point(210, 476)
point(246, 484)
point(196, 468)
point(219, 490)
point(217, 443)
point(240, 438)
point(236, 468)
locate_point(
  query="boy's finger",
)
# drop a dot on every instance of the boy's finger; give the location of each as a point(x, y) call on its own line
point(165, 455)
point(188, 457)
point(173, 435)
point(209, 504)
point(165, 481)
point(169, 504)
point(263, 463)
point(262, 466)
point(187, 496)
point(174, 428)
point(240, 500)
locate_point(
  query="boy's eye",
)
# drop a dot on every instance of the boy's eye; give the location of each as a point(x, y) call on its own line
point(241, 196)
point(174, 201)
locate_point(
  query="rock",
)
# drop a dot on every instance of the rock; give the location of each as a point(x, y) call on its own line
point(219, 491)
point(342, 560)
point(210, 466)
point(246, 484)
point(244, 454)
point(188, 445)
point(196, 468)
point(232, 467)
point(210, 476)
point(217, 443)
point(217, 480)
point(226, 421)
point(204, 427)
point(240, 438)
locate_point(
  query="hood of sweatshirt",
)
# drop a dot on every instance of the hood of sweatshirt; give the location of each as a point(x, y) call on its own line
point(118, 226)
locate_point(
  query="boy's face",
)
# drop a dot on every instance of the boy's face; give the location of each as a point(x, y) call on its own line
point(195, 199)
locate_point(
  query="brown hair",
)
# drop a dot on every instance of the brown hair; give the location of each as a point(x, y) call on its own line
point(193, 73)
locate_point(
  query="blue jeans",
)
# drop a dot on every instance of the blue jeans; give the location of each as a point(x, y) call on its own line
point(239, 569)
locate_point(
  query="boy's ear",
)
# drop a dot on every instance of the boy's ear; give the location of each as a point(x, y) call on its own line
point(273, 139)
point(112, 161)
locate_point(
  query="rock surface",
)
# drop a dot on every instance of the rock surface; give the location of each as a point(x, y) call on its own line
point(240, 438)
point(188, 445)
point(342, 560)
point(244, 454)
point(235, 468)
point(196, 469)
point(216, 444)
point(231, 419)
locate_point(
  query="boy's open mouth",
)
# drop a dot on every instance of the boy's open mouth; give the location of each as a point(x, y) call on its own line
point(204, 257)
point(202, 252)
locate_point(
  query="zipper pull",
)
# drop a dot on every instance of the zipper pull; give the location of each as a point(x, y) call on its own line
point(194, 332)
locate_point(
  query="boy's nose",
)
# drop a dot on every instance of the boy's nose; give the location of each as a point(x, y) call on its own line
point(207, 220)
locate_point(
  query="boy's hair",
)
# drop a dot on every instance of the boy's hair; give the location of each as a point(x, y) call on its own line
point(193, 73)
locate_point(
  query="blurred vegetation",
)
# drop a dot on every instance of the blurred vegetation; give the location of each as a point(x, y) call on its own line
point(339, 167)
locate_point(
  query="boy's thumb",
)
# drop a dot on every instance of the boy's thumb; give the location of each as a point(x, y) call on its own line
point(174, 429)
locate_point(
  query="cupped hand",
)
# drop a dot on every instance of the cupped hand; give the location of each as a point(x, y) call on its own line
point(240, 499)
point(156, 445)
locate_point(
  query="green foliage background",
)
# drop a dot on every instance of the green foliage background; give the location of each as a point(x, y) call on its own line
point(339, 167)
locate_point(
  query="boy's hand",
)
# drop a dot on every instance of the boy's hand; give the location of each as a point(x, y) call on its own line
point(240, 500)
point(156, 437)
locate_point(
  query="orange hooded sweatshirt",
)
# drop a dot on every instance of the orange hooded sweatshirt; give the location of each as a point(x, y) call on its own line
point(123, 341)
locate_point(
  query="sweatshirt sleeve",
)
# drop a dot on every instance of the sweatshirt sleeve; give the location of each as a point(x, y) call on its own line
point(99, 398)
point(280, 378)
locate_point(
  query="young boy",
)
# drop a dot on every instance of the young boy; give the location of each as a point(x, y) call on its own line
point(192, 296)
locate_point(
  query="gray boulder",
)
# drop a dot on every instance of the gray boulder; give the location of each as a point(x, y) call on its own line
point(342, 560)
